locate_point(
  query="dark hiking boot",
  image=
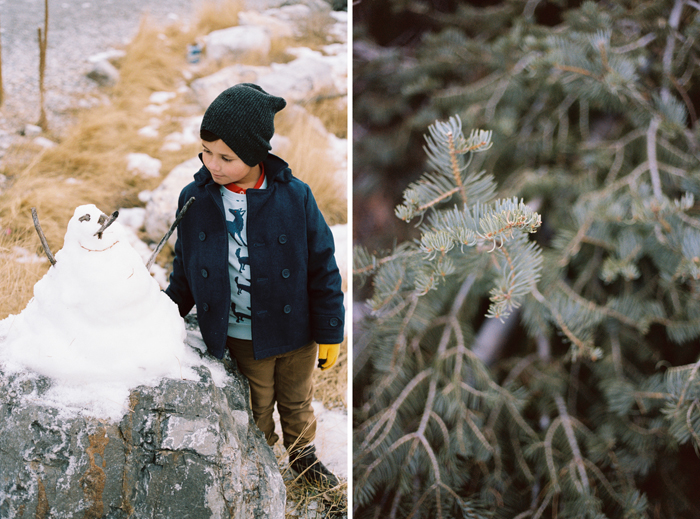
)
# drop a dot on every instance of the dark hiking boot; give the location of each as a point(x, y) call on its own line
point(305, 463)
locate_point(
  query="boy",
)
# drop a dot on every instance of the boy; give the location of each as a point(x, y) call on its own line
point(256, 257)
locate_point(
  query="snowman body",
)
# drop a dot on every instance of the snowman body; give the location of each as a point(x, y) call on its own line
point(97, 315)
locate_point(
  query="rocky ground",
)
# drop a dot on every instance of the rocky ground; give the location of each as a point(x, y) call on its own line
point(78, 29)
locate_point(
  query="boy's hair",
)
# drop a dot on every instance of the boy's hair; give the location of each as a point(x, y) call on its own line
point(243, 118)
point(208, 136)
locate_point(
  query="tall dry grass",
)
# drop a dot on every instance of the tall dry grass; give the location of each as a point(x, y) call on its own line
point(311, 161)
point(330, 386)
point(18, 277)
point(215, 15)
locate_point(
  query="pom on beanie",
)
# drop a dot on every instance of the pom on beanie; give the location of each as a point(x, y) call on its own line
point(243, 117)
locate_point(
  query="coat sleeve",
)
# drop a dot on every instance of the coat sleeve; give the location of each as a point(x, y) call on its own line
point(179, 288)
point(326, 308)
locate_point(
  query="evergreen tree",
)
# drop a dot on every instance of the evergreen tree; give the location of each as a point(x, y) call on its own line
point(508, 374)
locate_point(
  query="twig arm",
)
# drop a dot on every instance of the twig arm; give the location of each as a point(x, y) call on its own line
point(168, 234)
point(109, 221)
point(44, 243)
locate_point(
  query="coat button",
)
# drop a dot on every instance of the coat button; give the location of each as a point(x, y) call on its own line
point(285, 273)
point(202, 236)
point(204, 273)
point(282, 238)
point(287, 309)
point(205, 307)
point(334, 321)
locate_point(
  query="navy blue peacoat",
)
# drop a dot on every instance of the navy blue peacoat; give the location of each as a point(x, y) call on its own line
point(296, 291)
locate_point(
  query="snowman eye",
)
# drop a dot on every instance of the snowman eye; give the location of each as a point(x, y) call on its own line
point(84, 218)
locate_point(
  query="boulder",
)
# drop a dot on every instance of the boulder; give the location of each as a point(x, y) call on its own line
point(263, 5)
point(162, 205)
point(311, 75)
point(104, 73)
point(304, 78)
point(236, 43)
point(143, 165)
point(282, 22)
point(339, 30)
point(184, 448)
point(207, 88)
point(189, 134)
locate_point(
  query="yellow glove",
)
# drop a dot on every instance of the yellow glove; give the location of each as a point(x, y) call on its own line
point(327, 355)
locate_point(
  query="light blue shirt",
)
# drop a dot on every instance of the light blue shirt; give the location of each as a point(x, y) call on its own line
point(236, 207)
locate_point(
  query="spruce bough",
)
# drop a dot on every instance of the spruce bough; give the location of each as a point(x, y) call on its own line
point(591, 406)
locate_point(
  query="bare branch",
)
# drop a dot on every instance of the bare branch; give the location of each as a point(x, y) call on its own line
point(651, 156)
point(44, 243)
point(571, 437)
point(165, 238)
point(109, 221)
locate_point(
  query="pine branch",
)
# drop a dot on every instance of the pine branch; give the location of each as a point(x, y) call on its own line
point(446, 148)
point(577, 124)
point(651, 157)
point(398, 350)
point(571, 437)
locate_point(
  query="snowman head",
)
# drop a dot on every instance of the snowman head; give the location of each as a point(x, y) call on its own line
point(85, 229)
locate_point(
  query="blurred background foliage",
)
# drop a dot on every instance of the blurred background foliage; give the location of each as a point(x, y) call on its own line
point(585, 403)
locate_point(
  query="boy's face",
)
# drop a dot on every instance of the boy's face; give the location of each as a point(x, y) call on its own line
point(225, 166)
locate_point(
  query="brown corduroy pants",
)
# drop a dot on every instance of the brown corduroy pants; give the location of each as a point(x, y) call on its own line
point(286, 379)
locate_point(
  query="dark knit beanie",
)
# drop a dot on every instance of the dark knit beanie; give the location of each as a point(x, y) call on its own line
point(243, 117)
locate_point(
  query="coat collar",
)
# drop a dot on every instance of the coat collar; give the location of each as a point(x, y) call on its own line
point(276, 170)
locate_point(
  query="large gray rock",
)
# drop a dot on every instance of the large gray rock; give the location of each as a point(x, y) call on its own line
point(282, 22)
point(262, 5)
point(162, 204)
point(184, 449)
point(312, 74)
point(236, 43)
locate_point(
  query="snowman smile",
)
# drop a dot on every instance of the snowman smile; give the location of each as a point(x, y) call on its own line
point(98, 250)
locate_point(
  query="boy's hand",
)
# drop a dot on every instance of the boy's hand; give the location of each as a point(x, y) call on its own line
point(327, 355)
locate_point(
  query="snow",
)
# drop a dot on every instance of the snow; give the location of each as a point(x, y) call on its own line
point(331, 439)
point(98, 324)
point(22, 255)
point(160, 98)
point(143, 164)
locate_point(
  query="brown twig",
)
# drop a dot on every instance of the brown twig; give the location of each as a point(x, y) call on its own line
point(109, 221)
point(2, 90)
point(42, 65)
point(456, 171)
point(185, 207)
point(44, 243)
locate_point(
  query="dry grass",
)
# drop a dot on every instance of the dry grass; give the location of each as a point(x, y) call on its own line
point(215, 15)
point(306, 498)
point(303, 497)
point(330, 386)
point(311, 162)
point(332, 112)
point(315, 30)
point(151, 64)
point(18, 278)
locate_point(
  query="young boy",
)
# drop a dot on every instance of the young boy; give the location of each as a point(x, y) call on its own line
point(256, 257)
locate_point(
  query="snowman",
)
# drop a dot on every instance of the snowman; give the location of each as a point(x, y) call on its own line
point(97, 316)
